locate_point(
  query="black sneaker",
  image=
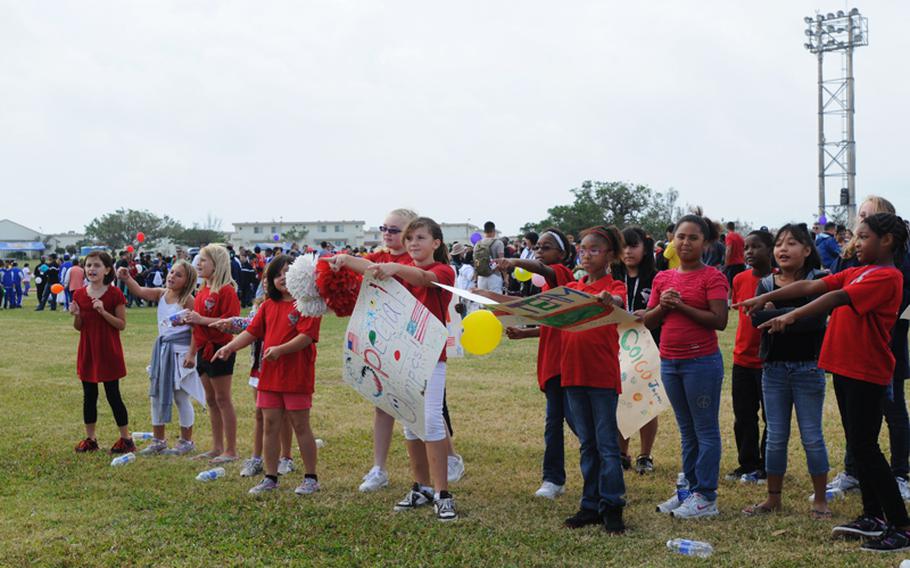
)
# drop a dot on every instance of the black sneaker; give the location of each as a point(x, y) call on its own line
point(414, 499)
point(891, 540)
point(644, 464)
point(582, 518)
point(626, 460)
point(613, 521)
point(736, 474)
point(445, 507)
point(864, 525)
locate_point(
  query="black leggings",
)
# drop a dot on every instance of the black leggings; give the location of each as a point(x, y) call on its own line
point(112, 393)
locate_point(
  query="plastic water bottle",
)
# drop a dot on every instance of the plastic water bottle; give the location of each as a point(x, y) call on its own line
point(682, 487)
point(211, 474)
point(690, 547)
point(142, 436)
point(320, 443)
point(124, 459)
point(905, 564)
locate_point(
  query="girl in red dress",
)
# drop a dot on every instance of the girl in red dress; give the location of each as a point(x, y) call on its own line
point(216, 299)
point(287, 376)
point(99, 314)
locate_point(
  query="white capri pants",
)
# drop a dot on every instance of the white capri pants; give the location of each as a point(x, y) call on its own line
point(184, 406)
point(434, 422)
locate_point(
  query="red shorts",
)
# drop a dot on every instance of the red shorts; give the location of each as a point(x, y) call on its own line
point(284, 400)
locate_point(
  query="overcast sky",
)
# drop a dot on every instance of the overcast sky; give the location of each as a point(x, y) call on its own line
point(468, 110)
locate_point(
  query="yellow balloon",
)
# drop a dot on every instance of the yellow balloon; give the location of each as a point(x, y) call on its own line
point(521, 274)
point(482, 332)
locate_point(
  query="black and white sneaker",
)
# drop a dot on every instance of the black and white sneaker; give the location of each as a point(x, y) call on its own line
point(445, 507)
point(414, 499)
point(864, 525)
point(891, 540)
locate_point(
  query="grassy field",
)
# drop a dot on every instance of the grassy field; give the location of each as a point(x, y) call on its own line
point(58, 508)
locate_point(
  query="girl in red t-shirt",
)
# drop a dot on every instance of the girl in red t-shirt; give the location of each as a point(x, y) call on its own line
point(216, 299)
point(690, 303)
point(429, 464)
point(99, 314)
point(287, 377)
point(865, 301)
point(554, 260)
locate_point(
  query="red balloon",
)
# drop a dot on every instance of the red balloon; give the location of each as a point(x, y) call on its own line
point(140, 236)
point(129, 248)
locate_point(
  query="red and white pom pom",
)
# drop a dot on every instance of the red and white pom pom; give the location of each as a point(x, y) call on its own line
point(301, 283)
point(339, 289)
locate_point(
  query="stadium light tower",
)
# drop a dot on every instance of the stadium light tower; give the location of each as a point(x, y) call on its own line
point(837, 33)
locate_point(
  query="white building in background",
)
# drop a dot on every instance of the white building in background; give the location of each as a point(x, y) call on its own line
point(372, 237)
point(18, 241)
point(65, 240)
point(460, 232)
point(262, 233)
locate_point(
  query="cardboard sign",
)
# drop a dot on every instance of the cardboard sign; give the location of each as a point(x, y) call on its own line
point(563, 308)
point(391, 346)
point(643, 396)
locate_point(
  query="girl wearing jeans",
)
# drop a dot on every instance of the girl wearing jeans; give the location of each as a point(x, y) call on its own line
point(691, 304)
point(791, 377)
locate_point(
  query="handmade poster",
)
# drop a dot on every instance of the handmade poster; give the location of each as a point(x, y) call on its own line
point(453, 326)
point(643, 396)
point(563, 308)
point(391, 346)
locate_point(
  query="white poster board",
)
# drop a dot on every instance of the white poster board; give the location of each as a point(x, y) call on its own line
point(391, 346)
point(643, 396)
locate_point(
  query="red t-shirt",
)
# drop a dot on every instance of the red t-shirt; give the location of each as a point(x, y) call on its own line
point(387, 256)
point(748, 337)
point(434, 298)
point(591, 358)
point(222, 304)
point(857, 344)
point(276, 323)
point(549, 350)
point(735, 249)
point(100, 357)
point(680, 337)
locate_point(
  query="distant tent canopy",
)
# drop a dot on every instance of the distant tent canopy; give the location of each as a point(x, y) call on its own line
point(19, 246)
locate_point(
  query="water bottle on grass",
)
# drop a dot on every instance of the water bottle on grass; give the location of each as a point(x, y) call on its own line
point(142, 436)
point(124, 459)
point(690, 547)
point(211, 474)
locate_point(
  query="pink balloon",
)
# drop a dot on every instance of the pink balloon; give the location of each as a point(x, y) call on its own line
point(538, 280)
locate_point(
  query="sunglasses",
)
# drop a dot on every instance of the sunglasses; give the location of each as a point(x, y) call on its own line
point(389, 230)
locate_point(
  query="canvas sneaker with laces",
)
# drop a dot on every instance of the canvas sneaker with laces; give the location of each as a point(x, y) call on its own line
point(414, 499)
point(181, 448)
point(644, 464)
point(669, 505)
point(863, 525)
point(455, 468)
point(891, 540)
point(123, 446)
point(285, 466)
point(445, 507)
point(264, 486)
point(374, 480)
point(696, 506)
point(550, 490)
point(251, 467)
point(757, 477)
point(154, 448)
point(87, 445)
point(307, 487)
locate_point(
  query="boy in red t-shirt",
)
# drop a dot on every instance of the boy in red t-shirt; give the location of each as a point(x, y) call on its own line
point(287, 375)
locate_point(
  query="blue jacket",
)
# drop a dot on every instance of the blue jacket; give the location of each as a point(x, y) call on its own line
point(828, 249)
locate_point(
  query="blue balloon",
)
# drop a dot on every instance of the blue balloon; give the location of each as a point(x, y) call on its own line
point(822, 219)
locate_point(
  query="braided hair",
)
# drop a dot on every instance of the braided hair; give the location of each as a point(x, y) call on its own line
point(888, 224)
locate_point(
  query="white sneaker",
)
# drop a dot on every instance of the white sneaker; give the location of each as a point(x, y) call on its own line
point(550, 490)
point(843, 482)
point(670, 505)
point(904, 487)
point(695, 506)
point(285, 466)
point(374, 480)
point(156, 447)
point(251, 467)
point(308, 487)
point(264, 486)
point(456, 468)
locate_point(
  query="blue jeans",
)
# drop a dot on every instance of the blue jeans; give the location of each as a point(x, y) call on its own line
point(594, 414)
point(554, 454)
point(799, 384)
point(693, 387)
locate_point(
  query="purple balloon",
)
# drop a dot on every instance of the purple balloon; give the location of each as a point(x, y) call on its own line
point(475, 238)
point(276, 238)
point(822, 219)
